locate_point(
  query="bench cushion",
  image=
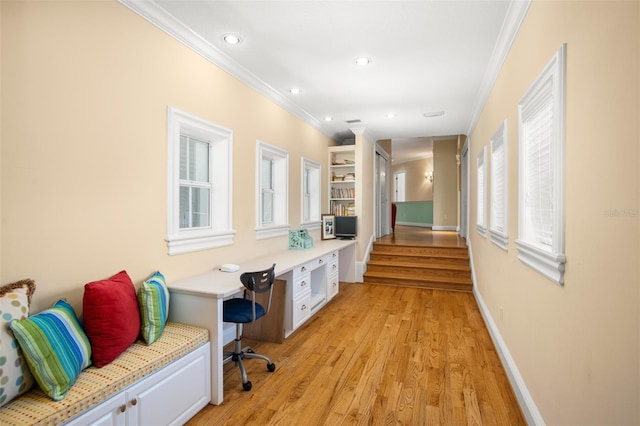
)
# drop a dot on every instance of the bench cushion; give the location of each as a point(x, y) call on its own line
point(98, 384)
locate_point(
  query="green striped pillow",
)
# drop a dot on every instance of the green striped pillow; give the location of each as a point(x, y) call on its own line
point(55, 346)
point(153, 300)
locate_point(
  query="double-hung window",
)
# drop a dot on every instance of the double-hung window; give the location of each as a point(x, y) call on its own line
point(541, 172)
point(310, 194)
point(481, 210)
point(272, 191)
point(498, 219)
point(199, 184)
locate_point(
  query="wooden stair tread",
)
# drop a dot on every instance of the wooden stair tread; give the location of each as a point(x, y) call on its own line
point(425, 265)
point(413, 277)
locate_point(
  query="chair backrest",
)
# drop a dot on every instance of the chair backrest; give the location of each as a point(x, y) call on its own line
point(259, 282)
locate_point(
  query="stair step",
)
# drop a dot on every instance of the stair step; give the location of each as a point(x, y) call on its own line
point(433, 283)
point(418, 269)
point(418, 259)
point(412, 275)
point(456, 252)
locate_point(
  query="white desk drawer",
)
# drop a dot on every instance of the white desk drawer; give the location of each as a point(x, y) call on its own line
point(333, 286)
point(333, 268)
point(301, 309)
point(301, 284)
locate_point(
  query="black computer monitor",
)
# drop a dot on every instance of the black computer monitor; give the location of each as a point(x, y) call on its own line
point(346, 227)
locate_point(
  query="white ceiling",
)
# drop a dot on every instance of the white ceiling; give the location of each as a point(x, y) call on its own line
point(427, 56)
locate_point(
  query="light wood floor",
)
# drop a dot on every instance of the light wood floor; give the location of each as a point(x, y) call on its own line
point(376, 355)
point(419, 236)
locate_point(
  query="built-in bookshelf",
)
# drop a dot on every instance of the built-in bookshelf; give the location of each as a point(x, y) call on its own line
point(342, 180)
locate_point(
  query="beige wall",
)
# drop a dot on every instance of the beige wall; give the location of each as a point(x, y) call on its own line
point(445, 184)
point(576, 346)
point(86, 86)
point(364, 187)
point(417, 187)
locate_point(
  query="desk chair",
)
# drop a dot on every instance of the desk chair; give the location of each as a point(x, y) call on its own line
point(245, 310)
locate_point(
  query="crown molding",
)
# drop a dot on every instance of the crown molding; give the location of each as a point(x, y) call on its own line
point(162, 19)
point(510, 27)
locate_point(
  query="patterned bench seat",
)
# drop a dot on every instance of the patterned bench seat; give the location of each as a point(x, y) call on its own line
point(98, 384)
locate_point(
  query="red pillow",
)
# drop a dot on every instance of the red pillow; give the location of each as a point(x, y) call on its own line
point(111, 317)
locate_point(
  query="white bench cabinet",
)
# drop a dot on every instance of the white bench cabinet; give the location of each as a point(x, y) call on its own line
point(169, 396)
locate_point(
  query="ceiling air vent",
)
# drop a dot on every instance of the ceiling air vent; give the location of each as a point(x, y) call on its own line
point(353, 121)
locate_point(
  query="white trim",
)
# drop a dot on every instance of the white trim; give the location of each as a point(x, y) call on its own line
point(499, 239)
point(314, 222)
point(220, 231)
point(444, 228)
point(361, 266)
point(499, 139)
point(280, 171)
point(527, 404)
point(419, 224)
point(510, 27)
point(158, 16)
point(549, 262)
point(272, 231)
point(482, 162)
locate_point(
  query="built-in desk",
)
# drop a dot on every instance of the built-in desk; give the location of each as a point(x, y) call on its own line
point(198, 300)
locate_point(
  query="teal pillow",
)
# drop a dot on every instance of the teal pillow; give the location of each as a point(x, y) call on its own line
point(153, 299)
point(55, 346)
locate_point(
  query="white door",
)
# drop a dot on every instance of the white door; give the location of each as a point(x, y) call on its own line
point(399, 187)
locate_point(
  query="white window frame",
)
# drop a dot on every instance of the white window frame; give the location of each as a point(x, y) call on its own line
point(310, 187)
point(499, 214)
point(280, 190)
point(220, 231)
point(545, 254)
point(481, 202)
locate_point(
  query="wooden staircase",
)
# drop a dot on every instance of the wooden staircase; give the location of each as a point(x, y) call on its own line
point(439, 268)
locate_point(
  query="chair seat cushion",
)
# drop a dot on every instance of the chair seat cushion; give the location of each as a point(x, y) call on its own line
point(239, 310)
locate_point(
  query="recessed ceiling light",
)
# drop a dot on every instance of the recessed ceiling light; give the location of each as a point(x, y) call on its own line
point(363, 61)
point(391, 115)
point(433, 114)
point(328, 118)
point(231, 39)
point(294, 90)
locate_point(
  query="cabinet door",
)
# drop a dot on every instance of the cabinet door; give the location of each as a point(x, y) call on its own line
point(173, 395)
point(111, 412)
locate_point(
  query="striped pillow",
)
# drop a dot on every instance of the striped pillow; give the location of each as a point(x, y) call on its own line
point(153, 299)
point(55, 346)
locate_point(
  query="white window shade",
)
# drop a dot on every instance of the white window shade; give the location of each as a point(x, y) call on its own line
point(499, 214)
point(481, 219)
point(541, 172)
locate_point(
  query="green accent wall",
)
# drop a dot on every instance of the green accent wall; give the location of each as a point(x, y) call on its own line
point(414, 212)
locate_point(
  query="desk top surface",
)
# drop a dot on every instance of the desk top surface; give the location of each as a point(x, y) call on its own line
point(217, 284)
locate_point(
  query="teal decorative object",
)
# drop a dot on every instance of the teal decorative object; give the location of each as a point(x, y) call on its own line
point(308, 240)
point(295, 241)
point(299, 239)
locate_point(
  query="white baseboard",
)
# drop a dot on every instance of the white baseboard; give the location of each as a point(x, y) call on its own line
point(361, 266)
point(421, 224)
point(444, 228)
point(527, 404)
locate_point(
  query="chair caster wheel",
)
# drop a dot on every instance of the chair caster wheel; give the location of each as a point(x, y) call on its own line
point(271, 367)
point(246, 386)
